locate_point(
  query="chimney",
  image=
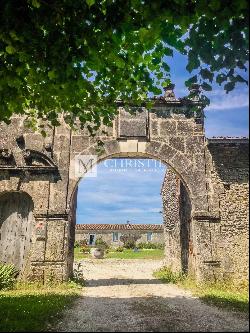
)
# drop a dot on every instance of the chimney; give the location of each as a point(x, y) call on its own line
point(169, 92)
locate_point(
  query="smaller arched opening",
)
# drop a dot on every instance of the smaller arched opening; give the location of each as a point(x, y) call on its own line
point(16, 219)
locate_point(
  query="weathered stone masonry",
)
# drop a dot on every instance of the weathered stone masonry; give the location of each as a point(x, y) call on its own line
point(224, 239)
point(177, 224)
point(40, 170)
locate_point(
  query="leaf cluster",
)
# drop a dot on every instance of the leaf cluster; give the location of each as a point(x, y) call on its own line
point(77, 58)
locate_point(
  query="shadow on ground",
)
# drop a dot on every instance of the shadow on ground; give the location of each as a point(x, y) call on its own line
point(27, 313)
point(149, 314)
point(117, 282)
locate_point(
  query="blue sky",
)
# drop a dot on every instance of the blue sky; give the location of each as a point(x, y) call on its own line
point(122, 194)
point(133, 193)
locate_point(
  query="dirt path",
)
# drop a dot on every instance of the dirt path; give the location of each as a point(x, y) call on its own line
point(123, 296)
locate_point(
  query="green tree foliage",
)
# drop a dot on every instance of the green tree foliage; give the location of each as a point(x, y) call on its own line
point(78, 57)
point(129, 240)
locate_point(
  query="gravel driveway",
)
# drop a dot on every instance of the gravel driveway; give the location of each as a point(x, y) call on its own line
point(123, 296)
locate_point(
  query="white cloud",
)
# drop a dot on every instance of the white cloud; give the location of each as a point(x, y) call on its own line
point(119, 218)
point(138, 210)
point(96, 197)
point(220, 130)
point(220, 101)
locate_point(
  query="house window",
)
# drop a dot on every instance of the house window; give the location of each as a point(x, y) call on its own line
point(149, 236)
point(115, 236)
point(92, 239)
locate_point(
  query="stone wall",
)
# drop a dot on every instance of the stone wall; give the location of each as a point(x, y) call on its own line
point(229, 158)
point(219, 246)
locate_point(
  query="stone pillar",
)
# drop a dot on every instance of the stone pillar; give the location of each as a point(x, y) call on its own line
point(206, 257)
point(48, 259)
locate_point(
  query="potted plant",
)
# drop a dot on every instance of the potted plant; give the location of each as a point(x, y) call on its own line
point(99, 249)
point(97, 252)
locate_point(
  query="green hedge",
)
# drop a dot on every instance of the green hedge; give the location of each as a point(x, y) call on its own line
point(149, 245)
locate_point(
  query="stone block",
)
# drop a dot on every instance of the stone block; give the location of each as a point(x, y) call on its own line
point(61, 143)
point(53, 273)
point(133, 125)
point(34, 141)
point(185, 127)
point(133, 128)
point(36, 274)
point(79, 143)
point(178, 143)
point(153, 147)
point(167, 153)
point(112, 147)
point(142, 147)
point(167, 127)
point(55, 241)
point(195, 144)
point(129, 146)
point(154, 128)
point(38, 251)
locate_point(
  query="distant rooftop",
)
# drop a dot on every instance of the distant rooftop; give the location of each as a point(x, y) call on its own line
point(128, 226)
point(228, 139)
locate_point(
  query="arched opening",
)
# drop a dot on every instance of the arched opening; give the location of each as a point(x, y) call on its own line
point(175, 214)
point(16, 218)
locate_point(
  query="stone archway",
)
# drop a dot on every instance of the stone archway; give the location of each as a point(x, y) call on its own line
point(16, 223)
point(170, 132)
point(193, 176)
point(179, 165)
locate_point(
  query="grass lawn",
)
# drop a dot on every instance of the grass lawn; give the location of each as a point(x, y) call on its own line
point(142, 254)
point(78, 255)
point(30, 307)
point(224, 295)
point(126, 254)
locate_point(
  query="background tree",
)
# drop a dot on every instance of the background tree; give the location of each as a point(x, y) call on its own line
point(78, 57)
point(129, 240)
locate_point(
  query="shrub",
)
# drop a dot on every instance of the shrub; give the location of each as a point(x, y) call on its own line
point(119, 249)
point(149, 245)
point(83, 242)
point(8, 274)
point(129, 244)
point(85, 249)
point(165, 274)
point(101, 243)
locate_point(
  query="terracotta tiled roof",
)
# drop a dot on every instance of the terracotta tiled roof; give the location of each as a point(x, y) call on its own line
point(119, 227)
